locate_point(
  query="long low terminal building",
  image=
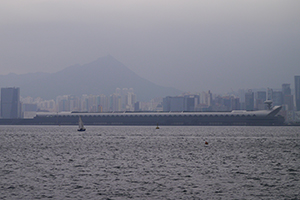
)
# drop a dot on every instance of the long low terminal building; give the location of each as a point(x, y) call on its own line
point(238, 117)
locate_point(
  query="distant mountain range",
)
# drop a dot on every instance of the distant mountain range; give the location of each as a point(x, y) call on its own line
point(101, 76)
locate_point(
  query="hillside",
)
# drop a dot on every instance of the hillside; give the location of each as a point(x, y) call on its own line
point(101, 76)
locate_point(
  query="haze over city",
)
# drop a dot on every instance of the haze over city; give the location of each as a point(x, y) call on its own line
point(189, 45)
point(149, 99)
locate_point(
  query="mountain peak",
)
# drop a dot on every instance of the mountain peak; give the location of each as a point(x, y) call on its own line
point(101, 76)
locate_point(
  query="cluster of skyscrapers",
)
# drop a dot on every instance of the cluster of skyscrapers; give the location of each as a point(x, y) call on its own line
point(205, 101)
point(12, 106)
point(122, 100)
point(125, 100)
point(251, 100)
point(243, 100)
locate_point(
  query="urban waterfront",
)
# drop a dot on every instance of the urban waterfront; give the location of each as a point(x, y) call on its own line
point(141, 162)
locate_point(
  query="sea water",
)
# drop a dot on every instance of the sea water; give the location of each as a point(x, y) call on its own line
point(141, 162)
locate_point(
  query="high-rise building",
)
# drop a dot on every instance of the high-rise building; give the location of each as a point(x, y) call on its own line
point(10, 103)
point(269, 94)
point(128, 99)
point(180, 103)
point(286, 89)
point(297, 92)
point(236, 105)
point(288, 103)
point(115, 102)
point(190, 102)
point(173, 103)
point(277, 98)
point(261, 97)
point(249, 100)
point(104, 102)
point(226, 103)
point(206, 98)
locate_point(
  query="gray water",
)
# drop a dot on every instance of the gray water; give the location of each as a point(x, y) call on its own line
point(124, 162)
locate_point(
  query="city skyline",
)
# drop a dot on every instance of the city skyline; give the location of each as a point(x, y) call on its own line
point(124, 99)
point(254, 97)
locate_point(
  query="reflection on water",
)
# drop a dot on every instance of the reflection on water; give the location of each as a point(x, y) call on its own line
point(120, 162)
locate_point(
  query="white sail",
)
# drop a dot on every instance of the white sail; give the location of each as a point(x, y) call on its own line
point(80, 125)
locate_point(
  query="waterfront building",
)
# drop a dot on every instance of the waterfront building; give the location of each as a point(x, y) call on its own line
point(206, 98)
point(261, 97)
point(29, 110)
point(62, 102)
point(10, 103)
point(297, 92)
point(235, 103)
point(74, 103)
point(84, 104)
point(241, 95)
point(190, 102)
point(224, 103)
point(277, 98)
point(180, 103)
point(115, 102)
point(249, 100)
point(104, 103)
point(128, 99)
point(269, 94)
point(137, 106)
point(173, 104)
point(49, 105)
point(286, 89)
point(66, 103)
point(288, 100)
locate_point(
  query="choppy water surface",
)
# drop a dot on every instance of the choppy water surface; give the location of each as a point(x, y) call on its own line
point(122, 162)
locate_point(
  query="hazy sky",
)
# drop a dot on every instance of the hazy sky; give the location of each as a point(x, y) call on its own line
point(193, 45)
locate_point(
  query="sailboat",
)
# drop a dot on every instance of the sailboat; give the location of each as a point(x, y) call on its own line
point(157, 127)
point(80, 124)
